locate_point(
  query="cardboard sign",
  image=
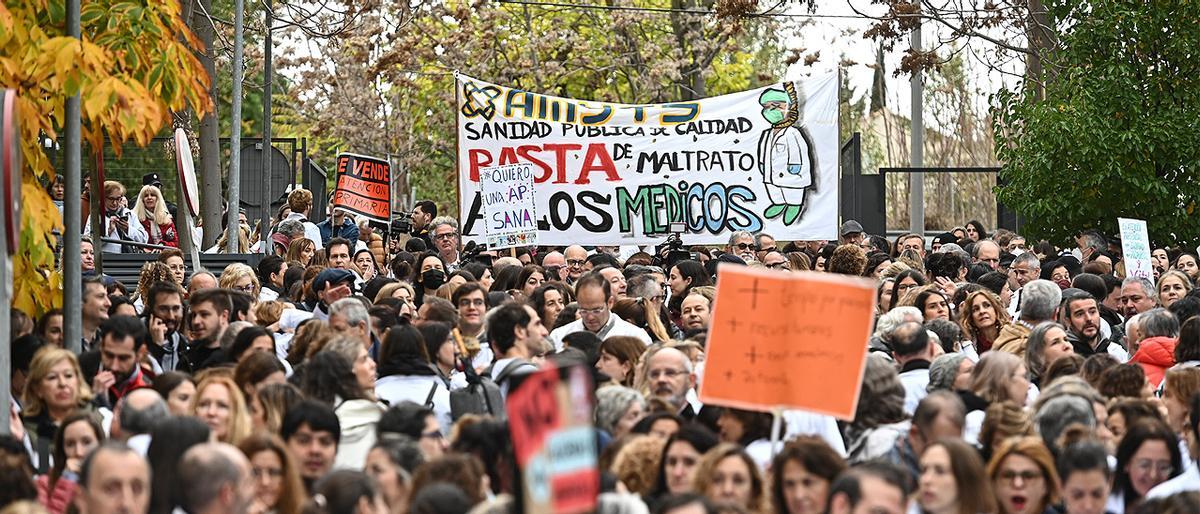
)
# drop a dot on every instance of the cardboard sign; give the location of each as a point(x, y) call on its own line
point(554, 442)
point(788, 340)
point(763, 160)
point(1135, 248)
point(363, 186)
point(509, 212)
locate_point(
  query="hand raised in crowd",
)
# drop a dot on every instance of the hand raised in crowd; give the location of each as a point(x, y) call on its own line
point(104, 380)
point(158, 330)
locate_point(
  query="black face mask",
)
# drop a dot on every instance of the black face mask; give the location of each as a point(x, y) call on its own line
point(433, 279)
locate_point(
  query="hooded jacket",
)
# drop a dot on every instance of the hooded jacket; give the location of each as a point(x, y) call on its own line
point(357, 419)
point(1155, 355)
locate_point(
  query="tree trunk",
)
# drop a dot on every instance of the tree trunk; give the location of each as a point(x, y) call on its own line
point(211, 192)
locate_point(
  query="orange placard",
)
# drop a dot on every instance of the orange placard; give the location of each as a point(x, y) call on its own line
point(787, 340)
point(363, 186)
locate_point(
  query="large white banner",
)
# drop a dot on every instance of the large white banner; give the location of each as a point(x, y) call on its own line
point(763, 160)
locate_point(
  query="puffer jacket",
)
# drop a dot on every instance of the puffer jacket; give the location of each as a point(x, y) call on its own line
point(57, 500)
point(1155, 355)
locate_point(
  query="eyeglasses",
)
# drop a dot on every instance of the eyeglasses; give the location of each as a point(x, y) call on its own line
point(777, 265)
point(1163, 468)
point(115, 198)
point(575, 263)
point(249, 288)
point(447, 235)
point(467, 302)
point(1025, 476)
point(746, 246)
point(592, 312)
point(667, 373)
point(432, 434)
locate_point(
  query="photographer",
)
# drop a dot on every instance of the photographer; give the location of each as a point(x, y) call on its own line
point(119, 221)
point(422, 219)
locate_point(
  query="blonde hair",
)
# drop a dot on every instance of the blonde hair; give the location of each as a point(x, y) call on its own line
point(160, 214)
point(964, 315)
point(390, 289)
point(239, 418)
point(636, 464)
point(1187, 282)
point(235, 272)
point(992, 374)
point(39, 367)
point(268, 313)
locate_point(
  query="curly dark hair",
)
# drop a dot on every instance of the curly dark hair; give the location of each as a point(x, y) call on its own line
point(328, 377)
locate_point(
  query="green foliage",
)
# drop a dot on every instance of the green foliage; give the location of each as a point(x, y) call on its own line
point(388, 90)
point(1116, 132)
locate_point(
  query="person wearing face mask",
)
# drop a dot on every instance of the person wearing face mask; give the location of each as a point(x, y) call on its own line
point(785, 154)
point(431, 274)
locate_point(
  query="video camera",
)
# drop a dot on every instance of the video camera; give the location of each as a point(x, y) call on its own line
point(400, 226)
point(672, 250)
point(474, 252)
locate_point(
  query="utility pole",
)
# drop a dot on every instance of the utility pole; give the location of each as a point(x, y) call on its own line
point(72, 259)
point(235, 135)
point(267, 154)
point(916, 180)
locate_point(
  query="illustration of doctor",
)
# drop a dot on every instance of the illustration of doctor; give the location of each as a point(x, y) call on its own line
point(783, 154)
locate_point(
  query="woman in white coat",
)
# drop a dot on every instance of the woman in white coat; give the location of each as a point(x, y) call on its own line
point(405, 373)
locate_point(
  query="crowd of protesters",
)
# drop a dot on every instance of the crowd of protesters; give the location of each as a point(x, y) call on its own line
point(1002, 376)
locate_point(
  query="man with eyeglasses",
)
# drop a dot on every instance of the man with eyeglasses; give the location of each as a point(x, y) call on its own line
point(446, 239)
point(165, 310)
point(671, 378)
point(774, 260)
point(742, 244)
point(575, 259)
point(595, 298)
point(119, 220)
point(987, 252)
point(1025, 268)
point(555, 264)
point(471, 301)
point(766, 243)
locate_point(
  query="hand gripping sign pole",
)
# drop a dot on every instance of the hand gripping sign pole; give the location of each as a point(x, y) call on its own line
point(10, 216)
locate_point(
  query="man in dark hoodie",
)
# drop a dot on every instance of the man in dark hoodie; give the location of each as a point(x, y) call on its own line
point(1080, 313)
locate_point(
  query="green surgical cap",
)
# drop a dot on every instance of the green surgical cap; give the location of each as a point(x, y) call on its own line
point(772, 95)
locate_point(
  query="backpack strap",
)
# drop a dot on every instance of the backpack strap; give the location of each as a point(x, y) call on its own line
point(512, 368)
point(432, 389)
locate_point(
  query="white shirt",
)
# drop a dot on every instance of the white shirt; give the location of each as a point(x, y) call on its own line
point(135, 233)
point(915, 381)
point(615, 327)
point(1187, 481)
point(808, 423)
point(415, 388)
point(311, 232)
